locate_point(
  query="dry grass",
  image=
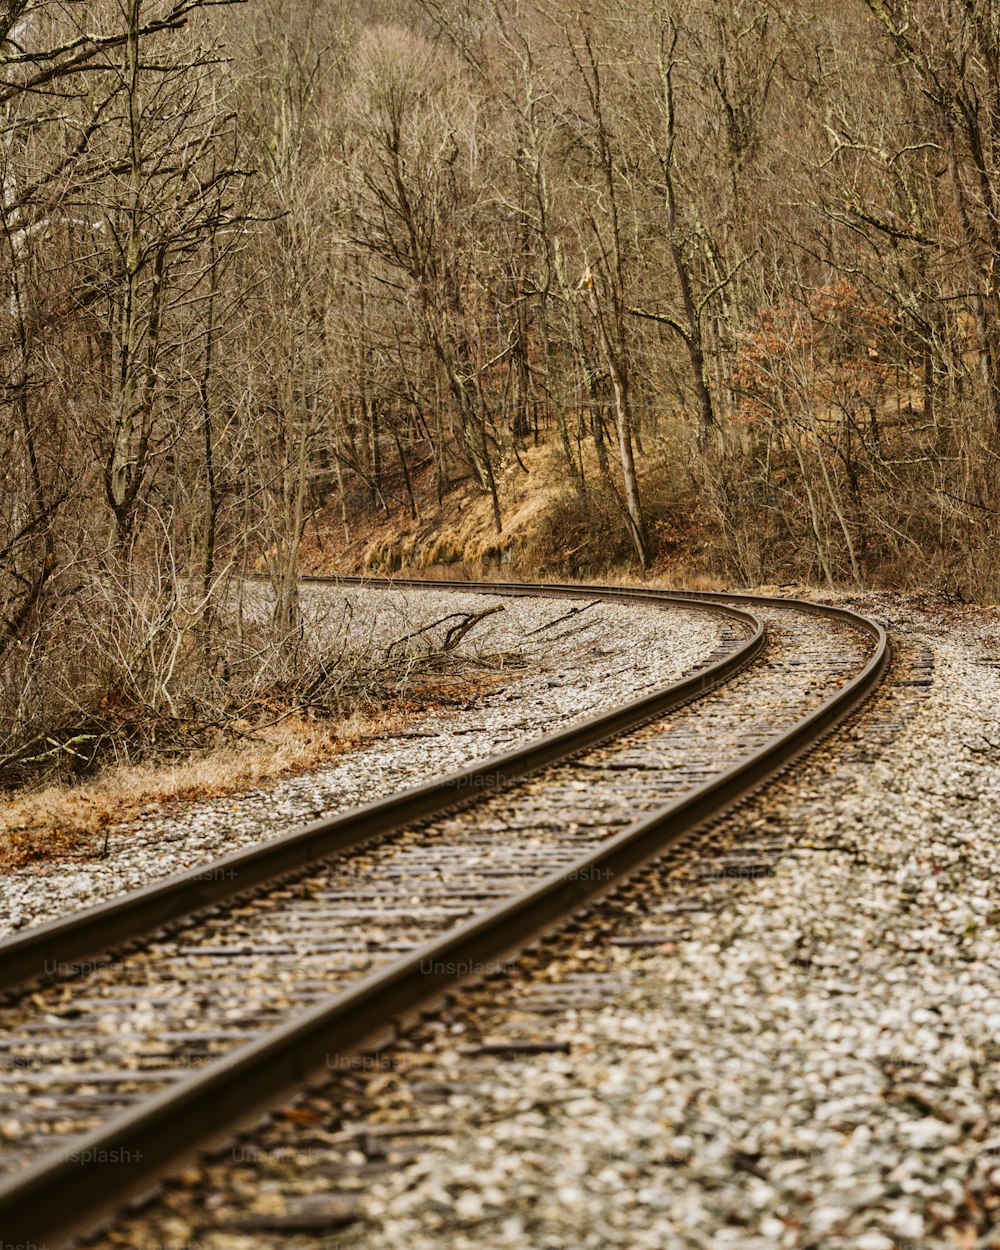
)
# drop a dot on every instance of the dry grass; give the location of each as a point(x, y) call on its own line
point(458, 532)
point(547, 529)
point(63, 823)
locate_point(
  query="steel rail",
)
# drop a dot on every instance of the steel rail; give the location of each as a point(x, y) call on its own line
point(62, 1192)
point(66, 944)
point(721, 598)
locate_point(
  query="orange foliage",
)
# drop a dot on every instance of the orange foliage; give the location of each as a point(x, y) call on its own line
point(829, 346)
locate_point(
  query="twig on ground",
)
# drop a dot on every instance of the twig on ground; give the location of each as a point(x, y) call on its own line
point(396, 642)
point(540, 629)
point(466, 621)
point(457, 632)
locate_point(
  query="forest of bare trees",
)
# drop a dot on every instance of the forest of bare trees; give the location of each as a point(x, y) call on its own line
point(739, 259)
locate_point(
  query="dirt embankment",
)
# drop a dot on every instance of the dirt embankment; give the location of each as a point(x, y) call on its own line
point(549, 529)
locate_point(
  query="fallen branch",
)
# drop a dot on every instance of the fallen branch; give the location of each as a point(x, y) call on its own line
point(457, 632)
point(466, 621)
point(565, 617)
point(423, 630)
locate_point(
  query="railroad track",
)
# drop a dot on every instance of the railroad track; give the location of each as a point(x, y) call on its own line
point(158, 1022)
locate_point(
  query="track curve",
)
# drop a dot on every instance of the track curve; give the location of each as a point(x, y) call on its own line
point(651, 773)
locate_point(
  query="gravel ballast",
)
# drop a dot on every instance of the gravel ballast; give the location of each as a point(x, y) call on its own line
point(816, 1066)
point(569, 659)
point(813, 1066)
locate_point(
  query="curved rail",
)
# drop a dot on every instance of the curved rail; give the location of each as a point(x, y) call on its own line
point(60, 1192)
point(64, 943)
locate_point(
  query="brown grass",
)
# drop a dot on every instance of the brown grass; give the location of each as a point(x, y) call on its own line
point(547, 530)
point(458, 532)
point(67, 823)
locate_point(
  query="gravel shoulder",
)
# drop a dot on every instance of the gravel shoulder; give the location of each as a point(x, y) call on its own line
point(566, 663)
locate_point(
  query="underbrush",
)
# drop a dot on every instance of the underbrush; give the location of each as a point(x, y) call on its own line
point(141, 684)
point(819, 492)
point(911, 506)
point(576, 535)
point(911, 509)
point(585, 533)
point(73, 822)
